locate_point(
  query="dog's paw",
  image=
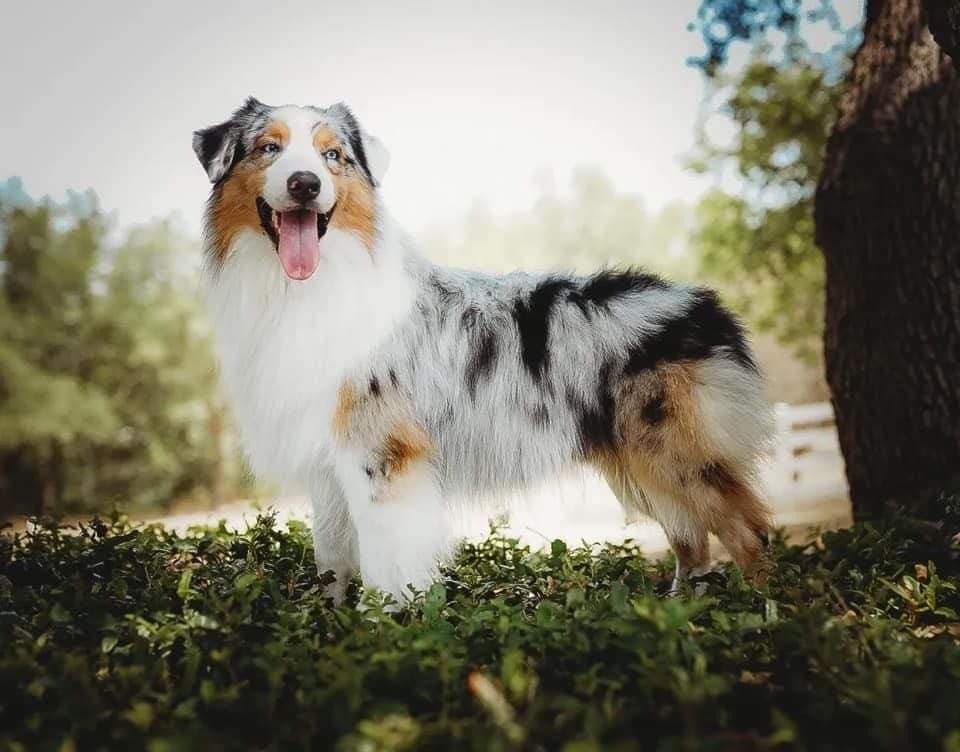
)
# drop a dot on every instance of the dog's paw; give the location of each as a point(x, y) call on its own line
point(335, 585)
point(695, 584)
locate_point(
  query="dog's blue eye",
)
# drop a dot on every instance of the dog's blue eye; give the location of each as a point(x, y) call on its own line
point(270, 148)
point(332, 154)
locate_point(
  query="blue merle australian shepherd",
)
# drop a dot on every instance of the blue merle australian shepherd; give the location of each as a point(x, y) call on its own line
point(389, 389)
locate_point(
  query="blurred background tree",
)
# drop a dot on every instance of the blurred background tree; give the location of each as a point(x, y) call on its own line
point(754, 234)
point(757, 239)
point(107, 388)
point(586, 226)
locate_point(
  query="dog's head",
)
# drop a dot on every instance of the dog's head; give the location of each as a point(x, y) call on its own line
point(290, 173)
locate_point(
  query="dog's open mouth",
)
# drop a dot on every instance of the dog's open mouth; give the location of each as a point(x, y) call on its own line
point(296, 236)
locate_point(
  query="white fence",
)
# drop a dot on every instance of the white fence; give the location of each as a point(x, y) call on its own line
point(803, 432)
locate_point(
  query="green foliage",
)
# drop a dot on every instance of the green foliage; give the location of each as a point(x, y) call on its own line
point(723, 23)
point(758, 242)
point(106, 377)
point(755, 237)
point(120, 638)
point(592, 227)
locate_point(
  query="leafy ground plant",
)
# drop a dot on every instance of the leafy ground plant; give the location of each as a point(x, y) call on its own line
point(113, 637)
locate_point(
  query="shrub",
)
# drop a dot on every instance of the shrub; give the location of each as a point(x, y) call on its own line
point(117, 637)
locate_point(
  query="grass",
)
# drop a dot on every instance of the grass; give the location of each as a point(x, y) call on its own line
point(121, 638)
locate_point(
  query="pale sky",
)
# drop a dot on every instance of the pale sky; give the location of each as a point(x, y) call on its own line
point(473, 100)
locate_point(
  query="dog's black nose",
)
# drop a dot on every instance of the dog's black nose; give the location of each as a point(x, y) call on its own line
point(303, 186)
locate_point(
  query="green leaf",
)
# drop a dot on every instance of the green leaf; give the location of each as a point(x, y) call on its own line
point(140, 714)
point(183, 587)
point(60, 615)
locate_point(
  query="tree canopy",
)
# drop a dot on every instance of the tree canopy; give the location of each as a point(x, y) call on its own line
point(754, 232)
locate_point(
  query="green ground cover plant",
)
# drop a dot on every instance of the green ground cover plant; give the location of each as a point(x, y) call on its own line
point(120, 637)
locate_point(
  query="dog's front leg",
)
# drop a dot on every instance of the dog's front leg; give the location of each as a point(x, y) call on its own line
point(334, 536)
point(402, 524)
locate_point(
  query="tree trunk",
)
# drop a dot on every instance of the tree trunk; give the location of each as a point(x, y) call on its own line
point(944, 19)
point(888, 221)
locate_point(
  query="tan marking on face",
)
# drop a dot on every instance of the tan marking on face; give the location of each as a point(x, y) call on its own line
point(276, 132)
point(235, 206)
point(356, 208)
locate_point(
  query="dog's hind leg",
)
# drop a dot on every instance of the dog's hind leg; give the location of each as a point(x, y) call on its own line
point(690, 435)
point(685, 534)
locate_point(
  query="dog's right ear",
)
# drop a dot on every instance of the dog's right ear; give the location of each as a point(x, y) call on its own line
point(216, 148)
point(220, 147)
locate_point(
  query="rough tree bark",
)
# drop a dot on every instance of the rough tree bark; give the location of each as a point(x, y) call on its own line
point(943, 17)
point(888, 221)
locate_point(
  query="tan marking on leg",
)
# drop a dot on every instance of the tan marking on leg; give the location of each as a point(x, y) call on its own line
point(692, 554)
point(746, 519)
point(348, 399)
point(671, 456)
point(395, 449)
point(404, 445)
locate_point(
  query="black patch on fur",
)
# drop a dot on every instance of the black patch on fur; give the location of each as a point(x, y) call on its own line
point(602, 287)
point(323, 220)
point(356, 143)
point(469, 318)
point(228, 135)
point(533, 323)
point(374, 386)
point(447, 298)
point(695, 334)
point(211, 140)
point(596, 423)
point(540, 416)
point(655, 411)
point(716, 475)
point(266, 221)
point(394, 381)
point(484, 351)
point(355, 137)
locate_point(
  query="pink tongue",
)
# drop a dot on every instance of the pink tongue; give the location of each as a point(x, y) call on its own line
point(299, 246)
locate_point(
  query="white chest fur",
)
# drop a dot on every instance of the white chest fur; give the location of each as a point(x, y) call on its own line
point(285, 347)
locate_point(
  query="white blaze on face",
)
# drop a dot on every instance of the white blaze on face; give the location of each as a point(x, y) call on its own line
point(298, 237)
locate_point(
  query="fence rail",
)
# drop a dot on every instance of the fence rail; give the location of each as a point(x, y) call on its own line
point(802, 431)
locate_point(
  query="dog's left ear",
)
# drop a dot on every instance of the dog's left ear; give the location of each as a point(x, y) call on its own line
point(378, 158)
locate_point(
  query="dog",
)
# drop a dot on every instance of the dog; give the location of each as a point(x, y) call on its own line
point(385, 386)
